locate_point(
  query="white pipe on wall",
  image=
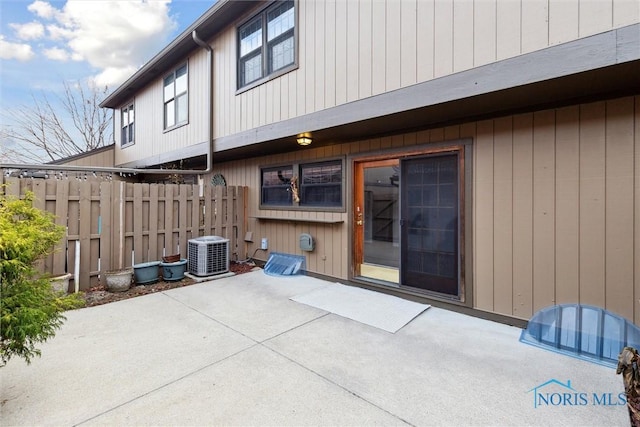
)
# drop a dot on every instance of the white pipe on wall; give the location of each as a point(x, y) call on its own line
point(76, 269)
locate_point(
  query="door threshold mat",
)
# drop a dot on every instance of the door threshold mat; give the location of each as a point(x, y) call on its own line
point(372, 308)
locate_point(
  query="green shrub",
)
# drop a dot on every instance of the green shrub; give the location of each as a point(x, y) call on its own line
point(30, 310)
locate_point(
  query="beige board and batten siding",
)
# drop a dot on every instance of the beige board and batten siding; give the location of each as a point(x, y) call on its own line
point(351, 50)
point(556, 207)
point(149, 116)
point(101, 157)
point(554, 217)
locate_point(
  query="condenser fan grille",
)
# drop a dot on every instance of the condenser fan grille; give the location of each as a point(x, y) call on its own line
point(208, 255)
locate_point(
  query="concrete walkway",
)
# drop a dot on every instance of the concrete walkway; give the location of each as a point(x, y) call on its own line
point(237, 351)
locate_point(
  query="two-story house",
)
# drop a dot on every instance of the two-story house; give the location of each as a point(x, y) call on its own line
point(481, 155)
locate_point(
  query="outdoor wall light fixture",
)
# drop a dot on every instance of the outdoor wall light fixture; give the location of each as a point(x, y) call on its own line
point(304, 140)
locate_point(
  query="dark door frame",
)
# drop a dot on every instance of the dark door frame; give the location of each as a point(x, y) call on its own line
point(464, 148)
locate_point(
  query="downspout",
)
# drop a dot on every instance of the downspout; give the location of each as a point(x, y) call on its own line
point(137, 170)
point(204, 45)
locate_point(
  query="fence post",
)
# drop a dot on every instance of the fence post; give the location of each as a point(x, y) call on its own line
point(62, 207)
point(240, 220)
point(155, 251)
point(195, 213)
point(140, 253)
point(84, 239)
point(168, 219)
point(117, 236)
point(209, 209)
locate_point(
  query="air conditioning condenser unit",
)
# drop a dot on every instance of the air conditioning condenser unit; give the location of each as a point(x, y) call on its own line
point(208, 255)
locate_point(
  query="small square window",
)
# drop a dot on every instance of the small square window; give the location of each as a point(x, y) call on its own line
point(276, 183)
point(321, 184)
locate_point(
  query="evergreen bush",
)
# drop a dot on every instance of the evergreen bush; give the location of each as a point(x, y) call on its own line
point(30, 310)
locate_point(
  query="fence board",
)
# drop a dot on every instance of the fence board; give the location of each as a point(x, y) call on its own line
point(241, 222)
point(118, 227)
point(230, 219)
point(60, 252)
point(85, 234)
point(208, 210)
point(149, 254)
point(139, 251)
point(154, 253)
point(168, 219)
point(219, 211)
point(95, 233)
point(50, 206)
point(183, 219)
point(196, 210)
point(106, 230)
point(128, 224)
point(106, 220)
point(13, 187)
point(161, 219)
point(39, 202)
point(73, 225)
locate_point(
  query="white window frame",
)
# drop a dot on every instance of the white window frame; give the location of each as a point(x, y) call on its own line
point(127, 125)
point(172, 96)
point(265, 47)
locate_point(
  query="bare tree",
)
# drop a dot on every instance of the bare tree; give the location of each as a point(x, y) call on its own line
point(47, 131)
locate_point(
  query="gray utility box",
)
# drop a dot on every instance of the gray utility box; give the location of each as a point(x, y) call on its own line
point(306, 242)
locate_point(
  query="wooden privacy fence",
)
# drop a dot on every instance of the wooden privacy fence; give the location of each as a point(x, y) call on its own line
point(113, 224)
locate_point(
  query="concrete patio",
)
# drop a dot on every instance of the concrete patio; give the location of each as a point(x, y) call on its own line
point(237, 351)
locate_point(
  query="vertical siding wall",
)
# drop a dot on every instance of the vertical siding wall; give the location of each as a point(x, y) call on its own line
point(103, 158)
point(150, 137)
point(349, 50)
point(556, 207)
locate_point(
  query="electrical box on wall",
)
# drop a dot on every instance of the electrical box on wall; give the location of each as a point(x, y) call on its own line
point(306, 242)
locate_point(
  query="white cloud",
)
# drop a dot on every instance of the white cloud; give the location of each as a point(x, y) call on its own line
point(29, 31)
point(115, 37)
point(112, 76)
point(57, 54)
point(19, 51)
point(57, 32)
point(42, 9)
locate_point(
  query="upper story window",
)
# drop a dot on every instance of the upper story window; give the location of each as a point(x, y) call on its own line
point(127, 134)
point(315, 185)
point(267, 43)
point(176, 98)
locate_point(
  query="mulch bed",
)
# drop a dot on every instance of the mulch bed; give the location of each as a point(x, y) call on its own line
point(99, 295)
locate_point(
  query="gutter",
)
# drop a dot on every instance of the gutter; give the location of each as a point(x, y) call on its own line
point(135, 171)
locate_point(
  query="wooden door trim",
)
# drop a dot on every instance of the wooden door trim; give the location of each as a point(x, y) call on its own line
point(358, 201)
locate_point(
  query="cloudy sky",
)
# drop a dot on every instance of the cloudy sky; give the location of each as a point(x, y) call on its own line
point(43, 43)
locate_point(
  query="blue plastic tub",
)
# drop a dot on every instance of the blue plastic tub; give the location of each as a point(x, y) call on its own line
point(146, 273)
point(172, 271)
